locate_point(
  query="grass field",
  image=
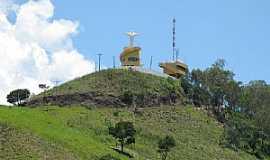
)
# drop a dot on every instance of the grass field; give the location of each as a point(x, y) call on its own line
point(79, 133)
point(113, 82)
point(115, 88)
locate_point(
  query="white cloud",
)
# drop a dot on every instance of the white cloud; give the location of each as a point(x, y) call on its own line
point(37, 48)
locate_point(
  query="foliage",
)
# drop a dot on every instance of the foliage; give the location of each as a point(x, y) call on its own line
point(124, 132)
point(83, 133)
point(241, 132)
point(254, 96)
point(244, 109)
point(248, 126)
point(18, 96)
point(213, 87)
point(165, 145)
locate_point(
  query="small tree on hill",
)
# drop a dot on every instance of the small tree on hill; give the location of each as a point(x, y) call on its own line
point(165, 145)
point(124, 133)
point(18, 96)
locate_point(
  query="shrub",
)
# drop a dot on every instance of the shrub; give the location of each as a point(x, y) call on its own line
point(108, 157)
point(165, 145)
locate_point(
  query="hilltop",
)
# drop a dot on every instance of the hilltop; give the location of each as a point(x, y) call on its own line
point(79, 133)
point(113, 87)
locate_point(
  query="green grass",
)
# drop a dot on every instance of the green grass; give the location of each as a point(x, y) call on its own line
point(116, 83)
point(112, 82)
point(79, 133)
point(21, 145)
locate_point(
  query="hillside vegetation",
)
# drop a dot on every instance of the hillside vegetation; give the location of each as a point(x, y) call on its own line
point(80, 133)
point(230, 120)
point(113, 87)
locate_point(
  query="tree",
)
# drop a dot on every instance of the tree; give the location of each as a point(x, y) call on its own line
point(217, 79)
point(254, 96)
point(233, 94)
point(242, 132)
point(124, 133)
point(17, 97)
point(200, 94)
point(165, 145)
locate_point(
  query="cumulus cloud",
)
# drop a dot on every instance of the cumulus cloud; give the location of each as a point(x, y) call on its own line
point(36, 48)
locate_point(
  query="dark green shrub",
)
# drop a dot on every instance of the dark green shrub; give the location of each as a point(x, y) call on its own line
point(108, 157)
point(116, 113)
point(165, 145)
point(127, 97)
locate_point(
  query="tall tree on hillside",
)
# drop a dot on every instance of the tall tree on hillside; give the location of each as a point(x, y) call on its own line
point(217, 79)
point(18, 96)
point(213, 87)
point(233, 94)
point(124, 133)
point(200, 92)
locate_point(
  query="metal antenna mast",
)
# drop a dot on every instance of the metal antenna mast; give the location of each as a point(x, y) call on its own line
point(176, 54)
point(99, 60)
point(174, 38)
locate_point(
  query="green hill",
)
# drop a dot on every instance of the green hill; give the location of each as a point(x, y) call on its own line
point(80, 133)
point(113, 87)
point(98, 100)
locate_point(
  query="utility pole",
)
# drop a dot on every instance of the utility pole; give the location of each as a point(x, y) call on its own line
point(99, 60)
point(151, 62)
point(114, 62)
point(56, 82)
point(18, 98)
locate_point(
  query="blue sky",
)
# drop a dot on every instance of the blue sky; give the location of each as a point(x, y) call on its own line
point(236, 30)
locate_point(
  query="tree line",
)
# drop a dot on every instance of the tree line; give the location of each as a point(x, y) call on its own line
point(243, 108)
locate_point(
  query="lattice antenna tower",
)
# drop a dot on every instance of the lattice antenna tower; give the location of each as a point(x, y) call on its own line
point(174, 39)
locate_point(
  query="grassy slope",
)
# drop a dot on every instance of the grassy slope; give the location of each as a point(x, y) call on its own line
point(112, 82)
point(21, 145)
point(78, 133)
